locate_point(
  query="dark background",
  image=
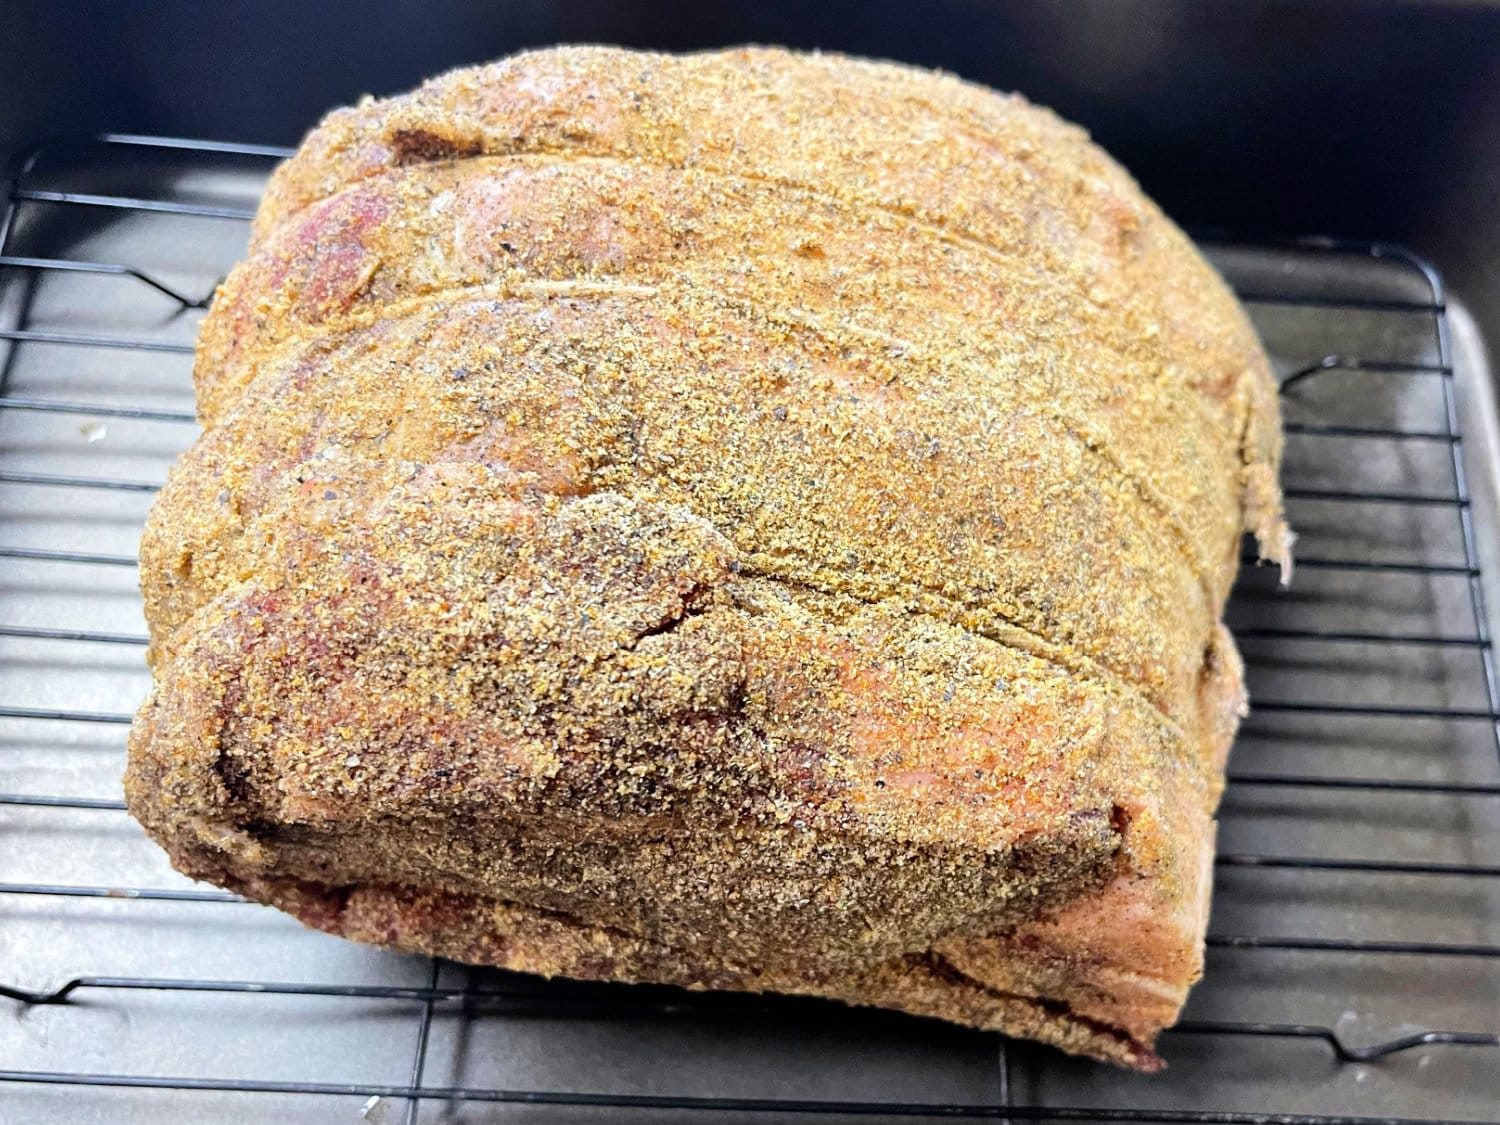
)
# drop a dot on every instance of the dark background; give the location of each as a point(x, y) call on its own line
point(1375, 119)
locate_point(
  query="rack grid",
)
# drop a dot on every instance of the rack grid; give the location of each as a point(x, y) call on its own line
point(1354, 961)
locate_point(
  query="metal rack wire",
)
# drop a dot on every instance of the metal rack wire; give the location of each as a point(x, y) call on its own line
point(1312, 302)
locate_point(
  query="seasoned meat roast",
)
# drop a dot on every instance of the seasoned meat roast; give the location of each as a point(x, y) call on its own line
point(745, 520)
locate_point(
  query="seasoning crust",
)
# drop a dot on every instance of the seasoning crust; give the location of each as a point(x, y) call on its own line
point(743, 520)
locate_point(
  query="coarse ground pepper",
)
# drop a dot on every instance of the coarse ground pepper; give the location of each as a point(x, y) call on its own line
point(742, 520)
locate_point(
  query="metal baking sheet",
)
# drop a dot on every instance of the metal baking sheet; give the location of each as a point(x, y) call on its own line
point(1370, 672)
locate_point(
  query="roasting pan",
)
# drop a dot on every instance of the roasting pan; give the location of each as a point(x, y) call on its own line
point(1354, 959)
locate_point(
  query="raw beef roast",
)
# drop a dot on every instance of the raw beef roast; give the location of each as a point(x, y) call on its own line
point(747, 520)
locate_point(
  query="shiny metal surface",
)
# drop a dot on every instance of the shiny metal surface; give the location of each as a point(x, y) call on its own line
point(1358, 903)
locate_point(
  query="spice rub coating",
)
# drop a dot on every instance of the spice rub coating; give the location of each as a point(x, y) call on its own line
point(745, 520)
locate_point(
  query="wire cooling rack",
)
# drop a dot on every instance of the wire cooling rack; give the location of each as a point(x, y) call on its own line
point(1354, 958)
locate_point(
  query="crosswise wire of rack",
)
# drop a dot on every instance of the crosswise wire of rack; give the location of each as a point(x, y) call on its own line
point(1354, 955)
